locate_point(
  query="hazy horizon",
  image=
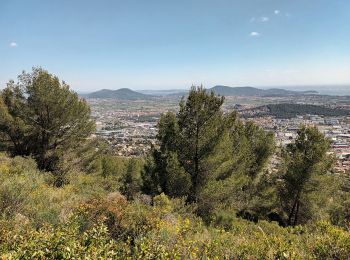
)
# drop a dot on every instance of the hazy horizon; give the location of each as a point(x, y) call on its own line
point(325, 90)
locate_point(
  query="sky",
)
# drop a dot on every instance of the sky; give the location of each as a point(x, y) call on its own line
point(164, 44)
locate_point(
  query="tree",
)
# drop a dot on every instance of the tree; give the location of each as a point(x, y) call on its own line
point(41, 117)
point(206, 155)
point(168, 134)
point(178, 181)
point(237, 169)
point(243, 149)
point(132, 181)
point(150, 174)
point(340, 209)
point(200, 124)
point(186, 139)
point(304, 161)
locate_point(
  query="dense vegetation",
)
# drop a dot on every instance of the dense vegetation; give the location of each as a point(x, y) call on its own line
point(42, 118)
point(206, 190)
point(293, 110)
point(250, 91)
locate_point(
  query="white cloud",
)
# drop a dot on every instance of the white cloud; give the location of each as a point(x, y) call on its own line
point(13, 44)
point(252, 19)
point(254, 34)
point(265, 19)
point(277, 11)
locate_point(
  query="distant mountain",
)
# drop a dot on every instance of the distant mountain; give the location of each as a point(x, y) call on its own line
point(251, 91)
point(121, 94)
point(128, 94)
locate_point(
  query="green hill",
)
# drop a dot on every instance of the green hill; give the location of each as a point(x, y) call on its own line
point(293, 110)
point(121, 94)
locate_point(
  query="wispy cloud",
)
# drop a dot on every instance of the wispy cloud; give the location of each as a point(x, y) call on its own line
point(13, 44)
point(260, 19)
point(254, 34)
point(277, 12)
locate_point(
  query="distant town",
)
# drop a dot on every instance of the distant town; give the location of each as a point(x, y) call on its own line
point(127, 120)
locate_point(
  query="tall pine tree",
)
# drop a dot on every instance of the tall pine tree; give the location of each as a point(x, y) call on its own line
point(303, 162)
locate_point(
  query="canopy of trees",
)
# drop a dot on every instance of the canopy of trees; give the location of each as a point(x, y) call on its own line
point(41, 117)
point(292, 110)
point(200, 147)
point(196, 196)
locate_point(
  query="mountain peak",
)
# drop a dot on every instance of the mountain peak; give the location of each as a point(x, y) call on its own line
point(121, 94)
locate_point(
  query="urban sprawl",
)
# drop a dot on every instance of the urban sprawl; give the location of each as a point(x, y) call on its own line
point(130, 127)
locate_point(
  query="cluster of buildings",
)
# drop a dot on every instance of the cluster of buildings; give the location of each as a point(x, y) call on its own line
point(130, 128)
point(337, 129)
point(131, 139)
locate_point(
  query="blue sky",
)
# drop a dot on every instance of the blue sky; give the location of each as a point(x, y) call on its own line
point(163, 44)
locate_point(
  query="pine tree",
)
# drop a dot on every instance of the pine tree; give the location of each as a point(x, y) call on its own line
point(303, 162)
point(178, 181)
point(43, 118)
point(206, 155)
point(186, 139)
point(200, 124)
point(237, 169)
point(132, 181)
point(340, 209)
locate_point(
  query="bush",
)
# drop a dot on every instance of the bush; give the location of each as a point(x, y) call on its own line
point(111, 227)
point(85, 220)
point(26, 192)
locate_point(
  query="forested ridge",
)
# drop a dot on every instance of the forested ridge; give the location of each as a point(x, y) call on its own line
point(285, 110)
point(205, 191)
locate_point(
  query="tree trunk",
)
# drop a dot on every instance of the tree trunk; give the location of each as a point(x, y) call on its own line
point(195, 177)
point(294, 212)
point(291, 213)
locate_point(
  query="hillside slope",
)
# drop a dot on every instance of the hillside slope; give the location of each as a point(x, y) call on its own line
point(293, 110)
point(121, 94)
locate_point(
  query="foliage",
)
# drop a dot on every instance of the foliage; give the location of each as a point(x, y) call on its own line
point(205, 155)
point(305, 161)
point(43, 118)
point(132, 181)
point(186, 139)
point(205, 191)
point(292, 110)
point(84, 219)
point(340, 208)
point(27, 194)
point(149, 232)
